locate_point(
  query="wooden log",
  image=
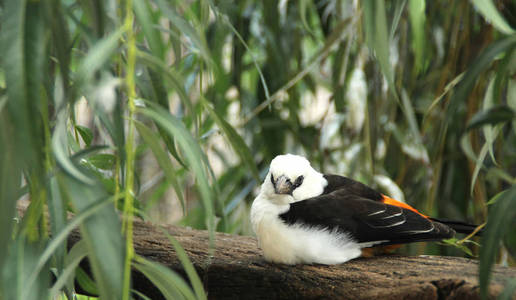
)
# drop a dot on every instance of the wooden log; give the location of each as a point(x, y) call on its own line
point(237, 270)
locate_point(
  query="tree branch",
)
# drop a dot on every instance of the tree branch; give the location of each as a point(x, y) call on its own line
point(238, 271)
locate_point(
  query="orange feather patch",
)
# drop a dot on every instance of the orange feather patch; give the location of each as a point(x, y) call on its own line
point(390, 201)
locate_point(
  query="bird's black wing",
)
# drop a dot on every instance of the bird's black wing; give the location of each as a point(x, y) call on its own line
point(365, 220)
point(350, 186)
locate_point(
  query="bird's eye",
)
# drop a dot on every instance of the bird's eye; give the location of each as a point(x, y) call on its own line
point(272, 179)
point(299, 181)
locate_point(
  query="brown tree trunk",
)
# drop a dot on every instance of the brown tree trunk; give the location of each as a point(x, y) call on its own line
point(237, 270)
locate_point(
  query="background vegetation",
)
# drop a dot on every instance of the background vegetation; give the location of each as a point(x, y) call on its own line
point(137, 107)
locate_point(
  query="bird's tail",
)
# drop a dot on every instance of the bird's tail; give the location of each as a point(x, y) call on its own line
point(460, 227)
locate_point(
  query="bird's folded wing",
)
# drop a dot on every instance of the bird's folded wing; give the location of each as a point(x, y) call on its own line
point(365, 220)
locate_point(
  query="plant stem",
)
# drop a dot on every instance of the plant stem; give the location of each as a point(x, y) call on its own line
point(129, 148)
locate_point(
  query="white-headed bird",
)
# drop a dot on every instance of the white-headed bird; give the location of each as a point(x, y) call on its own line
point(303, 216)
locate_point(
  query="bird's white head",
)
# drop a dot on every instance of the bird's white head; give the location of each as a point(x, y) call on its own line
point(291, 178)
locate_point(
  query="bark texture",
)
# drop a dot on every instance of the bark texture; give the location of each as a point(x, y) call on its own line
point(237, 270)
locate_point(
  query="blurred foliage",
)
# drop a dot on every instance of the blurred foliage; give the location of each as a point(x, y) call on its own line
point(135, 106)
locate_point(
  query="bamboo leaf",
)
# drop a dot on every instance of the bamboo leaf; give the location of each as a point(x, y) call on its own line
point(163, 160)
point(171, 285)
point(57, 211)
point(417, 21)
point(489, 11)
point(103, 161)
point(492, 116)
point(481, 63)
point(60, 149)
point(86, 282)
point(235, 140)
point(198, 43)
point(86, 134)
point(18, 268)
point(10, 174)
point(61, 237)
point(193, 155)
point(73, 258)
point(97, 56)
point(375, 23)
point(143, 12)
point(398, 11)
point(188, 267)
point(61, 42)
point(500, 214)
point(508, 292)
point(171, 76)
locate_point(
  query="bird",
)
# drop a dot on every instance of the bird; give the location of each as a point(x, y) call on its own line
point(301, 216)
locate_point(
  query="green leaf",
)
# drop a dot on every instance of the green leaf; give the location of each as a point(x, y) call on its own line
point(171, 76)
point(73, 258)
point(188, 267)
point(142, 296)
point(10, 174)
point(502, 212)
point(304, 6)
point(21, 261)
point(164, 162)
point(241, 39)
point(102, 232)
point(398, 11)
point(171, 285)
point(57, 211)
point(488, 103)
point(97, 56)
point(508, 292)
point(193, 155)
point(480, 64)
point(60, 149)
point(61, 42)
point(489, 11)
point(86, 134)
point(234, 139)
point(492, 116)
point(410, 115)
point(417, 22)
point(198, 42)
point(103, 161)
point(12, 46)
point(479, 162)
point(143, 12)
point(375, 23)
point(461, 246)
point(62, 235)
point(84, 280)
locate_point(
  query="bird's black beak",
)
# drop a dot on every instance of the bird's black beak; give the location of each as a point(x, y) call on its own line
point(282, 185)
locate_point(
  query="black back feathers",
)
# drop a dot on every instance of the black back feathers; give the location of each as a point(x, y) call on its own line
point(365, 220)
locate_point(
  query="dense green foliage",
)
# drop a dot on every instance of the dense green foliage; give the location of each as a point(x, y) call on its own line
point(121, 107)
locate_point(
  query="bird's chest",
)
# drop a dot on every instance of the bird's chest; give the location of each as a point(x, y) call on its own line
point(276, 240)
